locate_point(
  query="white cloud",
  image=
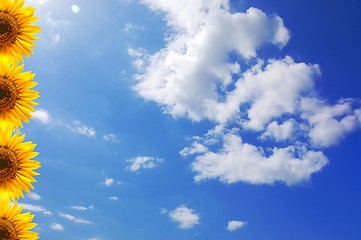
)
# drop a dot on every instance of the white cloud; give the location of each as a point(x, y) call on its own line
point(271, 91)
point(238, 161)
point(55, 39)
point(34, 196)
point(110, 137)
point(130, 26)
point(235, 225)
point(73, 218)
point(279, 132)
point(41, 115)
point(56, 227)
point(35, 208)
point(55, 29)
point(186, 76)
point(196, 148)
point(143, 162)
point(195, 76)
point(184, 216)
point(114, 198)
point(81, 129)
point(82, 208)
point(108, 181)
point(329, 123)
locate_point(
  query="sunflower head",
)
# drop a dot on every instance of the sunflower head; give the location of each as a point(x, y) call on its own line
point(16, 30)
point(15, 225)
point(17, 167)
point(16, 95)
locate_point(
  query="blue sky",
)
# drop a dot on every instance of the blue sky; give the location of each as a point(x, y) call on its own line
point(207, 119)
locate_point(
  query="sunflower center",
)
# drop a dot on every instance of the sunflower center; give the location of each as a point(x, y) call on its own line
point(7, 230)
point(9, 165)
point(9, 28)
point(8, 94)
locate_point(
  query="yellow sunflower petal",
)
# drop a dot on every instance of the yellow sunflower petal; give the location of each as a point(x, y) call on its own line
point(16, 30)
point(17, 168)
point(14, 224)
point(16, 95)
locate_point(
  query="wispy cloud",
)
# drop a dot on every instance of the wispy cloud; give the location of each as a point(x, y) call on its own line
point(110, 137)
point(82, 208)
point(56, 227)
point(113, 198)
point(235, 225)
point(82, 129)
point(73, 218)
point(55, 29)
point(184, 216)
point(143, 162)
point(35, 208)
point(34, 196)
point(41, 115)
point(130, 26)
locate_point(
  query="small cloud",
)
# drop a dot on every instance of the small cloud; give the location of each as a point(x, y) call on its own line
point(73, 218)
point(143, 162)
point(163, 211)
point(113, 198)
point(184, 216)
point(34, 196)
point(235, 225)
point(82, 208)
point(81, 129)
point(129, 26)
point(108, 182)
point(75, 8)
point(41, 115)
point(196, 148)
point(35, 208)
point(110, 137)
point(56, 227)
point(55, 39)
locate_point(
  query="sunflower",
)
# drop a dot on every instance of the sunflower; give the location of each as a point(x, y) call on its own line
point(15, 225)
point(16, 164)
point(16, 29)
point(16, 96)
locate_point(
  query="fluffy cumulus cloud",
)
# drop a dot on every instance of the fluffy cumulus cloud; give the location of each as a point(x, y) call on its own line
point(329, 123)
point(143, 162)
point(200, 74)
point(235, 225)
point(184, 216)
point(239, 161)
point(186, 76)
